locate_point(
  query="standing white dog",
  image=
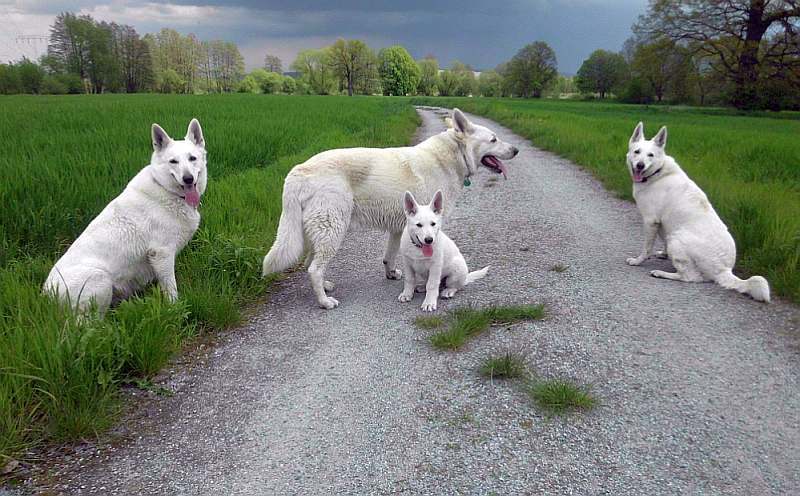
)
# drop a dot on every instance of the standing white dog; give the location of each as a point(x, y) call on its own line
point(136, 237)
point(322, 196)
point(430, 257)
point(674, 207)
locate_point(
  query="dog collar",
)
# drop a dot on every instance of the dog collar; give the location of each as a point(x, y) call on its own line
point(644, 179)
point(463, 149)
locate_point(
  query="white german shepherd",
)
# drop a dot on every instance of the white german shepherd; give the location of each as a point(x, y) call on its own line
point(136, 237)
point(430, 258)
point(322, 196)
point(675, 208)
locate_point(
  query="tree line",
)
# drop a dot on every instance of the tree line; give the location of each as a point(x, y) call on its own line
point(743, 53)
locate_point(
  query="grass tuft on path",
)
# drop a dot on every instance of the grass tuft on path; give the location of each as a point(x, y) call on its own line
point(506, 366)
point(466, 322)
point(560, 395)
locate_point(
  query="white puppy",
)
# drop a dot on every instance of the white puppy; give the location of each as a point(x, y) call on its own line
point(136, 237)
point(429, 256)
point(674, 207)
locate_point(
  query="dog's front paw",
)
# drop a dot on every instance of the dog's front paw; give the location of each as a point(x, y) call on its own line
point(394, 274)
point(428, 306)
point(329, 303)
point(662, 254)
point(420, 289)
point(449, 293)
point(405, 298)
point(328, 286)
point(634, 261)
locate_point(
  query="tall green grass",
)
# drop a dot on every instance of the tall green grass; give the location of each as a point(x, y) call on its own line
point(64, 158)
point(748, 165)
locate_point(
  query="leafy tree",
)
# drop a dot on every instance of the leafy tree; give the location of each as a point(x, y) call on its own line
point(169, 81)
point(532, 70)
point(51, 85)
point(349, 59)
point(603, 72)
point(429, 76)
point(490, 83)
point(289, 85)
point(31, 77)
point(249, 84)
point(749, 40)
point(273, 64)
point(448, 83)
point(10, 83)
point(400, 75)
point(467, 84)
point(317, 74)
point(272, 83)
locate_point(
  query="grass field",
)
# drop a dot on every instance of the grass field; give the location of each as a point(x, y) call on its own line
point(748, 165)
point(64, 158)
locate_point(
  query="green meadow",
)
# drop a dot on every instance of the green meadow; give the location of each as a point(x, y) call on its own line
point(748, 165)
point(64, 158)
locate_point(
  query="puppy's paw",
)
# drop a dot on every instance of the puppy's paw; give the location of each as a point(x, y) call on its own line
point(662, 254)
point(420, 289)
point(660, 274)
point(634, 261)
point(329, 303)
point(428, 306)
point(449, 293)
point(405, 298)
point(394, 274)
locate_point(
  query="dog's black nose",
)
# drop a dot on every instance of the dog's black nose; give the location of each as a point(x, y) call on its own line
point(187, 179)
point(428, 240)
point(640, 166)
point(516, 151)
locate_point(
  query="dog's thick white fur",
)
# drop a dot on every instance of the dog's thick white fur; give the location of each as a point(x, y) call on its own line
point(135, 239)
point(430, 257)
point(676, 209)
point(364, 186)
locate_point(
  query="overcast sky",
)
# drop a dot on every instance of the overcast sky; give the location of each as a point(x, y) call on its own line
point(482, 33)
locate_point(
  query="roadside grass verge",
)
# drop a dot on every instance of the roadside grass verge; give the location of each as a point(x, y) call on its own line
point(465, 323)
point(64, 158)
point(746, 163)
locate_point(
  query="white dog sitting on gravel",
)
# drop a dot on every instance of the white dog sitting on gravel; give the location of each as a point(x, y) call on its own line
point(136, 237)
point(429, 256)
point(674, 207)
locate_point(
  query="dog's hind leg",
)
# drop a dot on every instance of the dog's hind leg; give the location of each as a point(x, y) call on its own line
point(685, 268)
point(389, 264)
point(325, 228)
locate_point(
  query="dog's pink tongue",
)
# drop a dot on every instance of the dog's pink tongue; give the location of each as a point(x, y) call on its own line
point(637, 176)
point(427, 250)
point(192, 196)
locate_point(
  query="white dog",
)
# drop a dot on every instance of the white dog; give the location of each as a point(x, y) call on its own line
point(322, 196)
point(429, 256)
point(674, 207)
point(136, 237)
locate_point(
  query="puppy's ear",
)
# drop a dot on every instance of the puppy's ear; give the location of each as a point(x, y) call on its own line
point(410, 204)
point(160, 138)
point(460, 122)
point(638, 134)
point(660, 139)
point(195, 133)
point(437, 204)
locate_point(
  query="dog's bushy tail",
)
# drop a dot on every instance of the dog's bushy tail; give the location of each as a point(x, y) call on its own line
point(477, 274)
point(289, 245)
point(757, 287)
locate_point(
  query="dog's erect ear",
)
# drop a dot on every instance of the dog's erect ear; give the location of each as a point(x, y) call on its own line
point(460, 122)
point(160, 138)
point(660, 139)
point(409, 204)
point(195, 134)
point(638, 134)
point(437, 204)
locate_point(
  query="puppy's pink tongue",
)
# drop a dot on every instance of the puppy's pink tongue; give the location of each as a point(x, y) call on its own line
point(192, 196)
point(427, 250)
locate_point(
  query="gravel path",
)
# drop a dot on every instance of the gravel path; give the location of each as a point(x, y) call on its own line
point(699, 386)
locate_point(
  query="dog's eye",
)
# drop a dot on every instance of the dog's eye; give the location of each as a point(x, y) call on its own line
point(637, 152)
point(192, 158)
point(650, 155)
point(173, 161)
point(494, 139)
point(419, 224)
point(433, 224)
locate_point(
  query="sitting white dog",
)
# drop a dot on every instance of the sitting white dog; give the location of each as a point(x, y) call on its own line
point(136, 237)
point(429, 256)
point(674, 207)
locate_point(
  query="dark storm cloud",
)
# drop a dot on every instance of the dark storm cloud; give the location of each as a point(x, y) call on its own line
point(481, 33)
